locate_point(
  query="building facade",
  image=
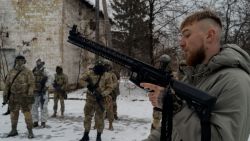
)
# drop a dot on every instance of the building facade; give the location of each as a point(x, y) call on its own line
point(40, 28)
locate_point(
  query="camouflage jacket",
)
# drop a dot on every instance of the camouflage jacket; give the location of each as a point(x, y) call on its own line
point(23, 86)
point(115, 83)
point(61, 80)
point(41, 78)
point(105, 86)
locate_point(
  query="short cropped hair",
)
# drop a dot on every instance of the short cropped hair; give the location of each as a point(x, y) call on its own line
point(201, 15)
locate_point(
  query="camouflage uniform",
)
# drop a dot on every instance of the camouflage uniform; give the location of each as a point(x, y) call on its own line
point(157, 115)
point(91, 107)
point(182, 69)
point(21, 97)
point(61, 80)
point(115, 93)
point(109, 101)
point(164, 66)
point(41, 95)
point(112, 111)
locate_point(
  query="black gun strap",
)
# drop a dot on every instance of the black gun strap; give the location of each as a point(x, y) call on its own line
point(95, 86)
point(167, 120)
point(97, 83)
point(167, 116)
point(205, 131)
point(205, 124)
point(13, 80)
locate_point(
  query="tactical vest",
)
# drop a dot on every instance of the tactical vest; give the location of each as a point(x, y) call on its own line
point(60, 79)
point(39, 76)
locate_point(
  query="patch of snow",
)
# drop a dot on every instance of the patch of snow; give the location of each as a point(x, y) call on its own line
point(134, 111)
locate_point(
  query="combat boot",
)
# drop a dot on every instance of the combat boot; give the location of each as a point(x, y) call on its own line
point(98, 138)
point(30, 134)
point(54, 115)
point(12, 133)
point(7, 112)
point(85, 137)
point(35, 124)
point(43, 124)
point(111, 126)
point(116, 117)
point(62, 114)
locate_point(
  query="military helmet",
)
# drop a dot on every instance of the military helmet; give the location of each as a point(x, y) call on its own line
point(39, 60)
point(164, 62)
point(107, 63)
point(183, 63)
point(20, 57)
point(165, 58)
point(59, 69)
point(99, 62)
point(99, 67)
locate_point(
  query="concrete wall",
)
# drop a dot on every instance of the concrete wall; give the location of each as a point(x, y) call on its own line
point(39, 29)
point(34, 29)
point(76, 12)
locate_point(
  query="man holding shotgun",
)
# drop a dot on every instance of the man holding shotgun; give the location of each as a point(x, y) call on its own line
point(220, 70)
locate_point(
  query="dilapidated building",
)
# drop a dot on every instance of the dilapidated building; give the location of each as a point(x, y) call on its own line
point(39, 29)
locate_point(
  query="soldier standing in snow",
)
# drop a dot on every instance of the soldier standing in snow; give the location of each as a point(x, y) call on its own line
point(60, 86)
point(41, 94)
point(157, 115)
point(109, 103)
point(99, 84)
point(182, 69)
point(18, 92)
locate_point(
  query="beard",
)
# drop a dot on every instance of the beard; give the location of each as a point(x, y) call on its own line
point(196, 57)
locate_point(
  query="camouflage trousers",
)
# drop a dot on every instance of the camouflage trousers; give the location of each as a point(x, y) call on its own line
point(57, 97)
point(109, 108)
point(43, 108)
point(156, 119)
point(14, 114)
point(114, 98)
point(92, 108)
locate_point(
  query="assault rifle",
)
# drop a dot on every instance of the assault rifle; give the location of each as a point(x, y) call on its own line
point(142, 72)
point(42, 90)
point(59, 89)
point(92, 88)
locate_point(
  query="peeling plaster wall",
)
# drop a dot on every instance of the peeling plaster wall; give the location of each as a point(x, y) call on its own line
point(33, 28)
point(76, 12)
point(39, 29)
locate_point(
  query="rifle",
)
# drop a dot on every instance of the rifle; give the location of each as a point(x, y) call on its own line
point(92, 88)
point(142, 72)
point(7, 97)
point(60, 90)
point(42, 92)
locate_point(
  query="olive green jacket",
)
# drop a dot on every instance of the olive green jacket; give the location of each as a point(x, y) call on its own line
point(226, 77)
point(105, 85)
point(22, 87)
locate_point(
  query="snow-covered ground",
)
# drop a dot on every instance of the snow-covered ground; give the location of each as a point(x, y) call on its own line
point(134, 109)
point(134, 112)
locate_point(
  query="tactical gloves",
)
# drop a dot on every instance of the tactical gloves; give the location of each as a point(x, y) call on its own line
point(90, 88)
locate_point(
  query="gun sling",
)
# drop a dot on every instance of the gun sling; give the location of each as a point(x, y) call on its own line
point(95, 86)
point(13, 80)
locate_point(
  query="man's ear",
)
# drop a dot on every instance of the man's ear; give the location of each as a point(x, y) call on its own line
point(211, 33)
